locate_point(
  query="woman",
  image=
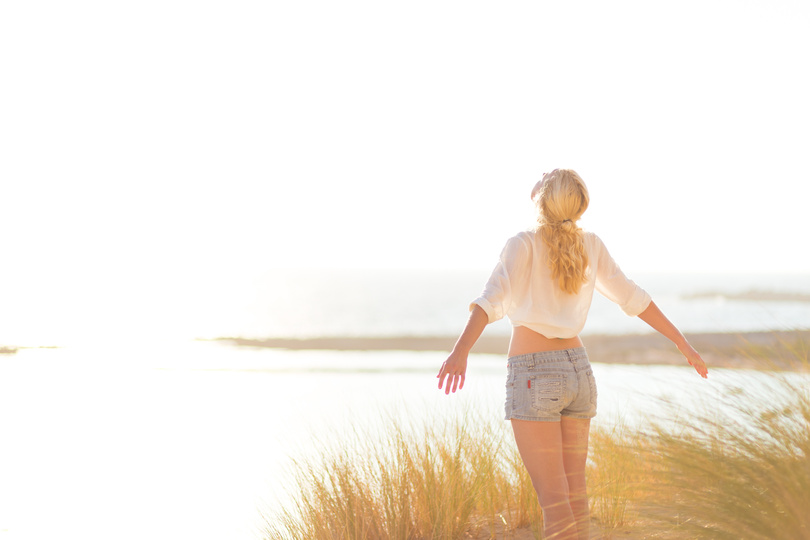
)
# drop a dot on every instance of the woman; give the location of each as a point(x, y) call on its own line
point(544, 283)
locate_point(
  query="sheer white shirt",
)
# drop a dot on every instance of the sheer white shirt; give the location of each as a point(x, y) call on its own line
point(521, 288)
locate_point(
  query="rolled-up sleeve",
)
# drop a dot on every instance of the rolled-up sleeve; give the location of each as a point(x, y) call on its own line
point(616, 287)
point(497, 295)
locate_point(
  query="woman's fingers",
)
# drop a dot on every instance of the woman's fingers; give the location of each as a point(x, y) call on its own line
point(451, 376)
point(445, 377)
point(442, 375)
point(455, 382)
point(694, 359)
point(700, 366)
point(451, 382)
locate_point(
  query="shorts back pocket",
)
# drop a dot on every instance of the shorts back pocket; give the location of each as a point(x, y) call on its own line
point(547, 392)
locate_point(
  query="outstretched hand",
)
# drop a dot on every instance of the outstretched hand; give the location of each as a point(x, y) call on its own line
point(454, 369)
point(659, 322)
point(695, 360)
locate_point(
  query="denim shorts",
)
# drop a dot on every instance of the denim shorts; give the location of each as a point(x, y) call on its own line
point(544, 386)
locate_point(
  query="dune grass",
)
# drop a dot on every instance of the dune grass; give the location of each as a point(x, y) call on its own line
point(742, 473)
point(736, 467)
point(441, 480)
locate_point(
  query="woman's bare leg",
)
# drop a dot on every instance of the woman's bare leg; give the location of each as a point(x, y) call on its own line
point(575, 454)
point(541, 447)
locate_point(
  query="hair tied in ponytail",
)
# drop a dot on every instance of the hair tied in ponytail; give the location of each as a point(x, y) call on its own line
point(563, 193)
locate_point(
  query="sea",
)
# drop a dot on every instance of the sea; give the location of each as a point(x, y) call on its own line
point(394, 303)
point(175, 434)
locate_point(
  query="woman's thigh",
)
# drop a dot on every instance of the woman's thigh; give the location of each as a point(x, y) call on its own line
point(540, 447)
point(574, 434)
point(554, 453)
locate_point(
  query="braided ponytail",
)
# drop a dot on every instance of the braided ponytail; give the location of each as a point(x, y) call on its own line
point(561, 199)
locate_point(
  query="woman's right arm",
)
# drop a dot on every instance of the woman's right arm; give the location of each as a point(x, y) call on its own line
point(455, 367)
point(658, 321)
point(487, 308)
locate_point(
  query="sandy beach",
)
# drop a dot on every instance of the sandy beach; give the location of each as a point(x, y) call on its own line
point(730, 350)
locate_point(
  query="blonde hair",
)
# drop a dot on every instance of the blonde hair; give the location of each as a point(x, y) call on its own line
point(561, 198)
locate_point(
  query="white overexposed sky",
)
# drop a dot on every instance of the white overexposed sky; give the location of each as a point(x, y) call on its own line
point(151, 146)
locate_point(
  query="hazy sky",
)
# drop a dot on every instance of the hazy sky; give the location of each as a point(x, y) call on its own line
point(151, 145)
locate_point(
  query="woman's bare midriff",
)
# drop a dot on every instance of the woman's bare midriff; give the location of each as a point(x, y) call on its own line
point(525, 341)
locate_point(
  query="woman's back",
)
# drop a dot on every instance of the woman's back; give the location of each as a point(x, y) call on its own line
point(523, 288)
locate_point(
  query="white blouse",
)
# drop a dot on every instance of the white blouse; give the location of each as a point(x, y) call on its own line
point(521, 288)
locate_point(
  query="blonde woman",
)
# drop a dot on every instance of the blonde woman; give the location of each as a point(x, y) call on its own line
point(544, 283)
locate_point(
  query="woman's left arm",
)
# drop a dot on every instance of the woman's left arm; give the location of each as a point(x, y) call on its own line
point(658, 321)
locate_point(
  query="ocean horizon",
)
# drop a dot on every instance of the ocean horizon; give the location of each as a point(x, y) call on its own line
point(420, 303)
point(306, 304)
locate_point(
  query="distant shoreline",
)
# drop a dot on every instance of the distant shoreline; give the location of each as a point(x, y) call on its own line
point(751, 296)
point(781, 350)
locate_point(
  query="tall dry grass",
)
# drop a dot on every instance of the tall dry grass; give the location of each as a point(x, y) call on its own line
point(732, 466)
point(616, 475)
point(438, 481)
point(730, 463)
point(740, 472)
